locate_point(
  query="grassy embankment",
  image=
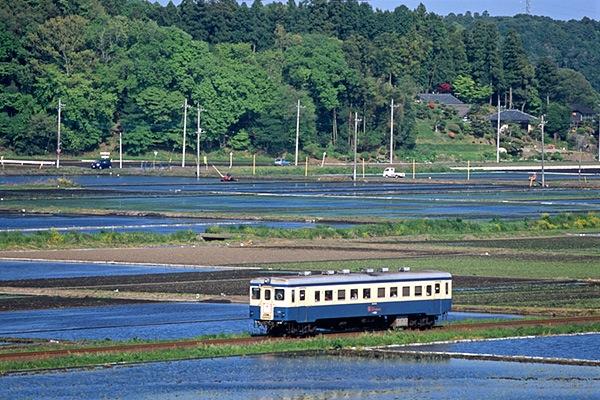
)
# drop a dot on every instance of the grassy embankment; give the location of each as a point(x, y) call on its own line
point(320, 343)
point(455, 228)
point(245, 170)
point(433, 227)
point(42, 183)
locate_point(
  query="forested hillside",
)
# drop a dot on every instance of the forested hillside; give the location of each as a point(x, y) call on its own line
point(128, 65)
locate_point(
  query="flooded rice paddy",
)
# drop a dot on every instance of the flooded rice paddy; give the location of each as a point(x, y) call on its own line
point(333, 200)
point(123, 322)
point(311, 378)
point(19, 270)
point(28, 223)
point(144, 321)
point(582, 347)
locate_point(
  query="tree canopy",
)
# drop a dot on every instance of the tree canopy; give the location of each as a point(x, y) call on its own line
point(127, 66)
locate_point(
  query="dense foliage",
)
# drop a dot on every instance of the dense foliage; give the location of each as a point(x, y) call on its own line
point(127, 66)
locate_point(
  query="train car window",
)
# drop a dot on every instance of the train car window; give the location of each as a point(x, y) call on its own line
point(366, 293)
point(447, 288)
point(317, 296)
point(302, 295)
point(381, 292)
point(428, 290)
point(293, 296)
point(406, 291)
point(255, 293)
point(393, 292)
point(267, 294)
point(418, 290)
point(354, 294)
point(437, 288)
point(341, 294)
point(328, 295)
point(279, 294)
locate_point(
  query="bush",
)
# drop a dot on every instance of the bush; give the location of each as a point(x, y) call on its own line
point(453, 127)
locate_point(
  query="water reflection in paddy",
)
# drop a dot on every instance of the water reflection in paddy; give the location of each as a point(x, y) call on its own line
point(312, 378)
point(18, 270)
point(147, 321)
point(584, 347)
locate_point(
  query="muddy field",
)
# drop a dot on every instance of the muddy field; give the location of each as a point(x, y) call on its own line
point(16, 303)
point(237, 254)
point(228, 285)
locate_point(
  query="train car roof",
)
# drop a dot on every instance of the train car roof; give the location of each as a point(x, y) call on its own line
point(338, 278)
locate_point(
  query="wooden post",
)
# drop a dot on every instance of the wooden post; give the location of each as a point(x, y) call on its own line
point(2, 161)
point(206, 163)
point(230, 159)
point(306, 167)
point(468, 170)
point(253, 164)
point(363, 168)
point(325, 154)
point(414, 168)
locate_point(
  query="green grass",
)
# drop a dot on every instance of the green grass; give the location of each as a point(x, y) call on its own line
point(321, 343)
point(433, 227)
point(55, 240)
point(42, 183)
point(421, 227)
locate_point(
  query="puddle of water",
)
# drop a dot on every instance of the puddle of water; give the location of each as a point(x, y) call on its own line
point(460, 316)
point(312, 378)
point(16, 270)
point(584, 347)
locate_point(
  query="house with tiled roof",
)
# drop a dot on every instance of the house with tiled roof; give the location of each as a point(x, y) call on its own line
point(518, 117)
point(445, 99)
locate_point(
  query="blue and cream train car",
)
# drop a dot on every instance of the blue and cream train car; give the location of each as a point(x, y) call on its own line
point(298, 305)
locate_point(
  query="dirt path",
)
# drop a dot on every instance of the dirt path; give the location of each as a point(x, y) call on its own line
point(221, 255)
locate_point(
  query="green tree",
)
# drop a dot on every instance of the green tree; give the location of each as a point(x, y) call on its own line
point(62, 41)
point(466, 89)
point(546, 75)
point(518, 72)
point(483, 54)
point(558, 119)
point(318, 65)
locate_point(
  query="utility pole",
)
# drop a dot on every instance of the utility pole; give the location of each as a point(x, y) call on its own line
point(498, 133)
point(543, 155)
point(528, 7)
point(185, 107)
point(392, 106)
point(58, 144)
point(298, 107)
point(121, 149)
point(198, 131)
point(356, 121)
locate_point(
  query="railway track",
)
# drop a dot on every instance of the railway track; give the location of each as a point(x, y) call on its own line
point(142, 347)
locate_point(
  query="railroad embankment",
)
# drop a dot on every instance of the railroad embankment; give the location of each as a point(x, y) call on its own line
point(74, 355)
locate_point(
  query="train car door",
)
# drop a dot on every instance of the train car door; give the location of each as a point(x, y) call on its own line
point(302, 308)
point(437, 291)
point(266, 303)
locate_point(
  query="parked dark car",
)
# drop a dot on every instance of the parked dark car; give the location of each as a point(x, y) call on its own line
point(101, 164)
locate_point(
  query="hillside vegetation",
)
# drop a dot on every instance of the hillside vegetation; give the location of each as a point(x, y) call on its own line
point(127, 66)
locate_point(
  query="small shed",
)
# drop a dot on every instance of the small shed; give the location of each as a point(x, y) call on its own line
point(581, 113)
